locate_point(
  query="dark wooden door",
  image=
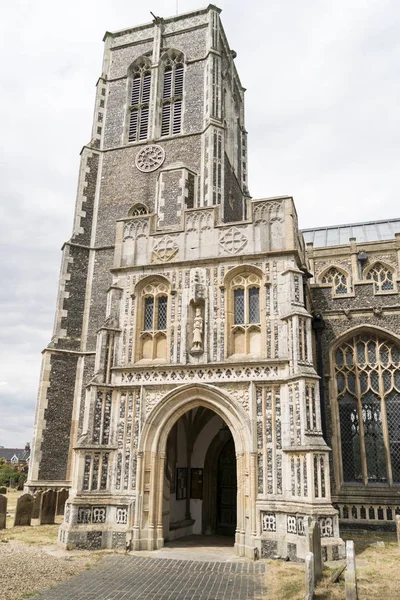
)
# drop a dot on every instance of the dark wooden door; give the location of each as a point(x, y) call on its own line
point(226, 490)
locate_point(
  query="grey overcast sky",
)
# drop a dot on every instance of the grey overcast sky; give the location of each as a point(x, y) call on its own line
point(323, 116)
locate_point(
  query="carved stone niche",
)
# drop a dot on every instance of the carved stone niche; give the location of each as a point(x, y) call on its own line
point(196, 324)
point(197, 286)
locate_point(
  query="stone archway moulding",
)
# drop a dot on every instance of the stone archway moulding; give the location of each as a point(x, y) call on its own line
point(147, 533)
point(360, 329)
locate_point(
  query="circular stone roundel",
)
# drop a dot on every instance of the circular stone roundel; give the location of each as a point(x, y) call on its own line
point(150, 158)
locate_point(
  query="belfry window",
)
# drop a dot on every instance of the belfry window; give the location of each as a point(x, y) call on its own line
point(337, 279)
point(367, 373)
point(382, 277)
point(139, 104)
point(153, 308)
point(172, 96)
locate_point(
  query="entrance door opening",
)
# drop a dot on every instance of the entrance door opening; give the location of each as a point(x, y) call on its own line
point(226, 490)
point(200, 481)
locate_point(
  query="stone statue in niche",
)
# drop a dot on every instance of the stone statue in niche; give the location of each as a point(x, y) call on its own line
point(197, 343)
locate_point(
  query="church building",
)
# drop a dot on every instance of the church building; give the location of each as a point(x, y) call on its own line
point(213, 369)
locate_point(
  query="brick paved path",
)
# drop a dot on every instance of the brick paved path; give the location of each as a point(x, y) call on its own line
point(135, 578)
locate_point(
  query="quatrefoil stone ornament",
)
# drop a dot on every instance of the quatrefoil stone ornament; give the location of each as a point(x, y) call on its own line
point(150, 158)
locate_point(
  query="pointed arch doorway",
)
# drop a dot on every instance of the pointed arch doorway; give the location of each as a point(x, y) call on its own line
point(153, 513)
point(200, 481)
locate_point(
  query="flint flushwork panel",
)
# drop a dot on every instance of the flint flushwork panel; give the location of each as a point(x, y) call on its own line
point(269, 440)
point(128, 430)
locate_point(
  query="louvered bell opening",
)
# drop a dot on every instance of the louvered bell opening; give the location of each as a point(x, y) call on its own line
point(178, 88)
point(166, 118)
point(146, 88)
point(167, 91)
point(135, 91)
point(144, 123)
point(133, 124)
point(176, 125)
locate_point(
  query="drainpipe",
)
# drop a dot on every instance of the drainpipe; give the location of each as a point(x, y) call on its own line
point(318, 325)
point(305, 277)
point(362, 258)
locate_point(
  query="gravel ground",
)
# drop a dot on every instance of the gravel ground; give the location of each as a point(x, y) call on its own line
point(25, 569)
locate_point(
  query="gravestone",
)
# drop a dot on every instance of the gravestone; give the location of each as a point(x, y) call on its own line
point(48, 507)
point(3, 511)
point(351, 575)
point(313, 536)
point(36, 505)
point(398, 529)
point(62, 497)
point(23, 512)
point(310, 579)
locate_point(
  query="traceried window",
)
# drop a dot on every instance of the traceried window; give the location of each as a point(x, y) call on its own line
point(154, 315)
point(172, 96)
point(246, 326)
point(367, 373)
point(247, 305)
point(138, 209)
point(337, 279)
point(382, 277)
point(139, 103)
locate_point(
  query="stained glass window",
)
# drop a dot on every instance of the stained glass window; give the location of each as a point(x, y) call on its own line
point(337, 279)
point(382, 277)
point(367, 372)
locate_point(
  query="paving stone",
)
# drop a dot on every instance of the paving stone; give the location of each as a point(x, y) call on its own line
point(135, 578)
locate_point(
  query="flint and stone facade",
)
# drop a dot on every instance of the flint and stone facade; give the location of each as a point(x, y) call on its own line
point(184, 324)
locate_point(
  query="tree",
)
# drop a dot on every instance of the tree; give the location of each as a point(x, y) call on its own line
point(8, 473)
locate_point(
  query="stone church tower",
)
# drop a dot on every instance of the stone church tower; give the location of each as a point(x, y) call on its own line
point(178, 394)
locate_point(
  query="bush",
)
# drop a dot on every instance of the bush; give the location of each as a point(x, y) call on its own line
point(3, 490)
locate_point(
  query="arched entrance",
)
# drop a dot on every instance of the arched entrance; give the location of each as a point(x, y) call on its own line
point(200, 490)
point(150, 523)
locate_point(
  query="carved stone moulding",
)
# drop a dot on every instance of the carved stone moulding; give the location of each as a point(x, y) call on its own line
point(201, 374)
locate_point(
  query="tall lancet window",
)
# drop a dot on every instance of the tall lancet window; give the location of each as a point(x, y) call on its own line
point(139, 103)
point(172, 96)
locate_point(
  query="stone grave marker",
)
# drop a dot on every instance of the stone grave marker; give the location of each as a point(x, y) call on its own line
point(351, 575)
point(3, 511)
point(310, 579)
point(398, 529)
point(62, 497)
point(36, 505)
point(23, 512)
point(48, 507)
point(313, 534)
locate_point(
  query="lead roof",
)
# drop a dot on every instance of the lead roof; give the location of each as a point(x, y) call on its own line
point(337, 235)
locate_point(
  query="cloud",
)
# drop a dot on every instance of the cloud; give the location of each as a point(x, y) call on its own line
point(322, 112)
